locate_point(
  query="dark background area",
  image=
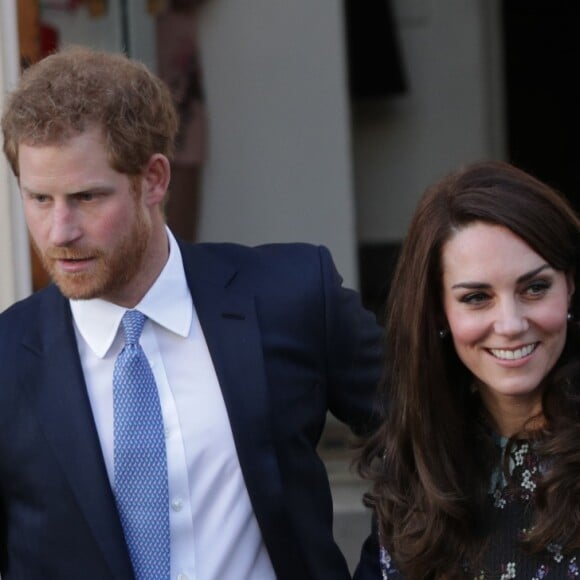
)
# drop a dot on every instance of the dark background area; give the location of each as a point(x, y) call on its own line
point(541, 42)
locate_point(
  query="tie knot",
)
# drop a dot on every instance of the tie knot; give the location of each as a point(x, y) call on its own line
point(133, 322)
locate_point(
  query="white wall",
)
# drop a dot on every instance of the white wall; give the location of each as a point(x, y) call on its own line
point(451, 114)
point(279, 166)
point(280, 160)
point(15, 281)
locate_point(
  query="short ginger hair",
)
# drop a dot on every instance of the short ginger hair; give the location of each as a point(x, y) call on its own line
point(79, 88)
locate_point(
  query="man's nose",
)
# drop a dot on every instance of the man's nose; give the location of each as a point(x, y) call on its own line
point(64, 227)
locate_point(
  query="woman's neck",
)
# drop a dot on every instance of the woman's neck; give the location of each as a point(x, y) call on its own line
point(513, 414)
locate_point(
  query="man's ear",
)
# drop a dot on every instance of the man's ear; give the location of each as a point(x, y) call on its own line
point(156, 177)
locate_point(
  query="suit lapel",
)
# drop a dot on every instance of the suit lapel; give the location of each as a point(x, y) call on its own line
point(227, 315)
point(58, 394)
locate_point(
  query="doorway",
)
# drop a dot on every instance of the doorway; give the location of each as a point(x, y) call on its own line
point(541, 49)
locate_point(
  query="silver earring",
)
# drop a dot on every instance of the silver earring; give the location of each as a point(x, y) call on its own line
point(443, 333)
point(570, 317)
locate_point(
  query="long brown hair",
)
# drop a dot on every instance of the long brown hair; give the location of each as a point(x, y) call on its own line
point(430, 461)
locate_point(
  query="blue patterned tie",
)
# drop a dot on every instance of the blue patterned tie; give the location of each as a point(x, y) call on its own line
point(140, 461)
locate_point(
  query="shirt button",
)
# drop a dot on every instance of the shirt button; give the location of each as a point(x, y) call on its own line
point(167, 431)
point(182, 577)
point(176, 505)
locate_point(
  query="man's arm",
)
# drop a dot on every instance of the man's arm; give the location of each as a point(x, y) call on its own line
point(355, 365)
point(354, 343)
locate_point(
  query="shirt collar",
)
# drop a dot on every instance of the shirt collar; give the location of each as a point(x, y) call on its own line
point(168, 303)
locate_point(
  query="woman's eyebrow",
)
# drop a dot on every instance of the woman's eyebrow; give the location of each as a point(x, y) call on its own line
point(523, 278)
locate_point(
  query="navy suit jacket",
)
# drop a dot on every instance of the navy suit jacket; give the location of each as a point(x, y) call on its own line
point(288, 343)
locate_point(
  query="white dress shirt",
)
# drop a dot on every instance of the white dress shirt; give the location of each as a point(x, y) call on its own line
point(214, 532)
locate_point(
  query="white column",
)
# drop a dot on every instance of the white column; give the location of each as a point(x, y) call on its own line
point(279, 165)
point(15, 277)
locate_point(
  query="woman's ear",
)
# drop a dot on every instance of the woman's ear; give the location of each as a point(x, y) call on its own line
point(156, 177)
point(571, 284)
point(442, 324)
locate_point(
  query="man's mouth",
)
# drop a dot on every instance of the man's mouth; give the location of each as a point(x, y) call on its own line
point(72, 265)
point(513, 353)
point(70, 255)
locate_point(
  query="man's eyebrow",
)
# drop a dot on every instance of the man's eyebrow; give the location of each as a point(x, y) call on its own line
point(96, 188)
point(483, 285)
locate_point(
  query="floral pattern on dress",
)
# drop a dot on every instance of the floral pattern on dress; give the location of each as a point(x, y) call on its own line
point(385, 559)
point(509, 498)
point(523, 469)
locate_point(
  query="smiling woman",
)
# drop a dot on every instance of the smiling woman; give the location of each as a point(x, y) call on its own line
point(475, 468)
point(506, 308)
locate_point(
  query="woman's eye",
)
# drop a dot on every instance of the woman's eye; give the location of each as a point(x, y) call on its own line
point(537, 288)
point(474, 298)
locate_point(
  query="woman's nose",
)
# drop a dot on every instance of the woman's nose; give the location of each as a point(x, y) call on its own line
point(511, 319)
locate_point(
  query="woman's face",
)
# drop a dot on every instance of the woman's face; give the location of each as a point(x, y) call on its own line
point(507, 312)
